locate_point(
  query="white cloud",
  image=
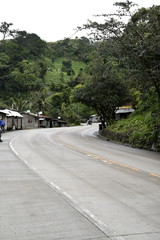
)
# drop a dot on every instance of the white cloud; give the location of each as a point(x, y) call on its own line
point(54, 20)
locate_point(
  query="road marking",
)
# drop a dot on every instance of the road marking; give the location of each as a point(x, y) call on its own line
point(81, 209)
point(85, 212)
point(107, 161)
point(155, 175)
point(11, 146)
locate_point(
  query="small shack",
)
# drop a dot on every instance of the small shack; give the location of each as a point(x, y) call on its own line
point(48, 122)
point(45, 121)
point(123, 112)
point(61, 123)
point(13, 119)
point(30, 120)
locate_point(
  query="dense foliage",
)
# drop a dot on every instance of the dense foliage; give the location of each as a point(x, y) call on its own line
point(40, 76)
point(73, 78)
point(133, 47)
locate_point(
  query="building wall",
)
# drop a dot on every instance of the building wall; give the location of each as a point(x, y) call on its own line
point(29, 121)
point(17, 123)
point(3, 116)
point(14, 123)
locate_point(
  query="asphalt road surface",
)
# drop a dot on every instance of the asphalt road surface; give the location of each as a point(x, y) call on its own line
point(99, 189)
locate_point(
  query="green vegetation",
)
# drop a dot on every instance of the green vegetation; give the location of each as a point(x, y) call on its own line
point(59, 74)
point(138, 131)
point(141, 129)
point(74, 78)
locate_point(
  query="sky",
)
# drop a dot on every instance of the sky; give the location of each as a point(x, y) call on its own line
point(54, 20)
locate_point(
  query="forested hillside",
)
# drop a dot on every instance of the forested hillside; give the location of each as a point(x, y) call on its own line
point(40, 76)
point(73, 78)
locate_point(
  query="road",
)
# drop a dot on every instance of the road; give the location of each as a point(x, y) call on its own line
point(114, 187)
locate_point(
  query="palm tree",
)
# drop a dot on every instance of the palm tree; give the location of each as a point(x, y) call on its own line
point(39, 101)
point(19, 103)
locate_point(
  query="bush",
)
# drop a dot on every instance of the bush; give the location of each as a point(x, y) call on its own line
point(139, 130)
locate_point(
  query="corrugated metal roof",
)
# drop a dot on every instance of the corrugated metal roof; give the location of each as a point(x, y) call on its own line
point(125, 110)
point(30, 114)
point(10, 113)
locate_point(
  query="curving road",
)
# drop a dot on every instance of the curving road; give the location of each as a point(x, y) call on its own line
point(115, 187)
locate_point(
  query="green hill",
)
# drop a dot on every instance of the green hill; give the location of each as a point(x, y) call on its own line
point(57, 73)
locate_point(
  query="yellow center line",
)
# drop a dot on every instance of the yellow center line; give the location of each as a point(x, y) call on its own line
point(108, 160)
point(154, 174)
point(99, 157)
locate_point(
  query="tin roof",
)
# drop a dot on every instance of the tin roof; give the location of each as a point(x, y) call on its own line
point(124, 110)
point(10, 113)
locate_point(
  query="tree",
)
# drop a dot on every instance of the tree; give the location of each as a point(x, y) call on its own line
point(137, 40)
point(56, 102)
point(5, 30)
point(25, 46)
point(67, 67)
point(136, 43)
point(5, 76)
point(26, 77)
point(22, 65)
point(141, 48)
point(19, 102)
point(105, 90)
point(39, 101)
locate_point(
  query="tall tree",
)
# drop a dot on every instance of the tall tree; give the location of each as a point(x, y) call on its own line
point(27, 77)
point(25, 46)
point(5, 30)
point(138, 41)
point(141, 48)
point(105, 90)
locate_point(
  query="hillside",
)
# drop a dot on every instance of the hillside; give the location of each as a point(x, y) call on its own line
point(59, 75)
point(140, 130)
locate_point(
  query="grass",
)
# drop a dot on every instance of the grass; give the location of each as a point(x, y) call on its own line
point(138, 130)
point(57, 76)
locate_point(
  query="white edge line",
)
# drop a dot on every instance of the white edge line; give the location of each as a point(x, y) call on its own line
point(11, 146)
point(81, 209)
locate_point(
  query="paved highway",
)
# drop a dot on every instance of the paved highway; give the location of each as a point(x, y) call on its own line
point(115, 189)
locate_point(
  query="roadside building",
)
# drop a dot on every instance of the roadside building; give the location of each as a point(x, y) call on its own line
point(3, 117)
point(27, 120)
point(123, 112)
point(45, 121)
point(61, 123)
point(48, 122)
point(30, 120)
point(13, 119)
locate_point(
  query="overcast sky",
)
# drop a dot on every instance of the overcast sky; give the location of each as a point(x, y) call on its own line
point(54, 20)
